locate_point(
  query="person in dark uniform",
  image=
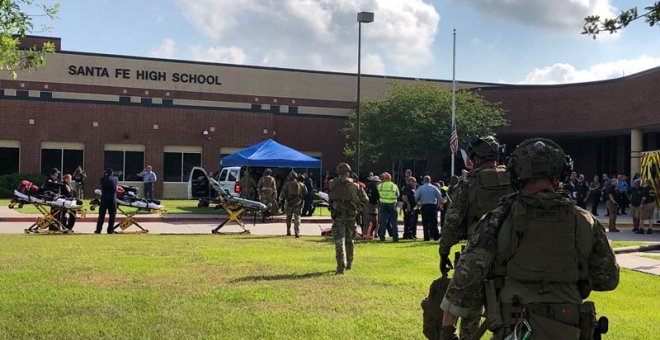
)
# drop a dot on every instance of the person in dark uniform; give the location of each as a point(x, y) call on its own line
point(308, 209)
point(108, 201)
point(410, 215)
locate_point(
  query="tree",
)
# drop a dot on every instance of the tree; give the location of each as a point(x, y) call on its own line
point(593, 24)
point(15, 23)
point(415, 123)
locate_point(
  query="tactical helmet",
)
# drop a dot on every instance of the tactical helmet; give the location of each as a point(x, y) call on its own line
point(293, 175)
point(484, 148)
point(343, 168)
point(539, 158)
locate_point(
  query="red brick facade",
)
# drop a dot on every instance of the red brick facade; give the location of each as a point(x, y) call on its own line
point(303, 109)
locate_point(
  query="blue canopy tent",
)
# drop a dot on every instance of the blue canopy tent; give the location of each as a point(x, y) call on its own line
point(270, 153)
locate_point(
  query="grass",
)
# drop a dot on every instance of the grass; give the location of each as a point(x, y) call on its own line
point(655, 257)
point(621, 244)
point(239, 287)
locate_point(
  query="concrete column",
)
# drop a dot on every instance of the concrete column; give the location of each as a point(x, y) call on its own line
point(636, 140)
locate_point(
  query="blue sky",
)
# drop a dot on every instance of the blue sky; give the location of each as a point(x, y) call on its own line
point(506, 41)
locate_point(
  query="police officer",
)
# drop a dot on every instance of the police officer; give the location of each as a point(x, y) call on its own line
point(541, 254)
point(345, 199)
point(473, 198)
point(293, 193)
point(108, 201)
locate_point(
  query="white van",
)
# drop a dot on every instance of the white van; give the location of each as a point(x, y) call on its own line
point(200, 188)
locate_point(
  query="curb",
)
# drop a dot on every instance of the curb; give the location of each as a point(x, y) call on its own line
point(637, 249)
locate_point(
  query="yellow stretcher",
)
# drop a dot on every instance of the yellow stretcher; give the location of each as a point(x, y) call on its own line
point(651, 171)
point(129, 217)
point(235, 212)
point(51, 221)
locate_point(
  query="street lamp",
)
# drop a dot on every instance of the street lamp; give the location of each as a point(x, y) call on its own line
point(362, 17)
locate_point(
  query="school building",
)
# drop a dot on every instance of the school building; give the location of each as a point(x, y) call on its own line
point(125, 112)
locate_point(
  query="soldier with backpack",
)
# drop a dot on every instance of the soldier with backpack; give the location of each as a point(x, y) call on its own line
point(536, 256)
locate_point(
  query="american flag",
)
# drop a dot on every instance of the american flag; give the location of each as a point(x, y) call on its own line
point(453, 140)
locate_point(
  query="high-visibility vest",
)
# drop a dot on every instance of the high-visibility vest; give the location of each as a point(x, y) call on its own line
point(388, 192)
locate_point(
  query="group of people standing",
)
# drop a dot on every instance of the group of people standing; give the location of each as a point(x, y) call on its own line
point(295, 197)
point(618, 194)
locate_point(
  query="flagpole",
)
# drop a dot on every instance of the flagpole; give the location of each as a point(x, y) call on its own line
point(453, 99)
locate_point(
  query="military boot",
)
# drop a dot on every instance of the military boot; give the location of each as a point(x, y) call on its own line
point(340, 271)
point(288, 231)
point(349, 265)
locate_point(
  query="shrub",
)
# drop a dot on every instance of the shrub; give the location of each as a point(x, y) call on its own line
point(10, 182)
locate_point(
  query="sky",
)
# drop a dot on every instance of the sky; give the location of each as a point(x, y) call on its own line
point(498, 41)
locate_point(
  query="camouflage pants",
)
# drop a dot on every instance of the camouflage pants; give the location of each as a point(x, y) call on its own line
point(469, 326)
point(342, 233)
point(293, 212)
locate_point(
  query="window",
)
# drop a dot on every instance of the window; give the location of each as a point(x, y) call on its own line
point(64, 159)
point(9, 160)
point(177, 165)
point(125, 164)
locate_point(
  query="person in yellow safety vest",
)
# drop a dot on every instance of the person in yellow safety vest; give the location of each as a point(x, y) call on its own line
point(388, 192)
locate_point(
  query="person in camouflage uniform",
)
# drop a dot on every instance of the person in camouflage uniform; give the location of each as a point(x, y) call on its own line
point(267, 189)
point(345, 199)
point(540, 254)
point(473, 198)
point(292, 196)
point(248, 185)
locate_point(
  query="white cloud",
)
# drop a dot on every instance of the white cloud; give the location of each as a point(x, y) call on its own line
point(561, 73)
point(229, 55)
point(552, 14)
point(319, 34)
point(166, 49)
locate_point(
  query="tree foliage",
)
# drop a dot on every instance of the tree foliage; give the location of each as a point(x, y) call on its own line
point(415, 123)
point(15, 23)
point(593, 24)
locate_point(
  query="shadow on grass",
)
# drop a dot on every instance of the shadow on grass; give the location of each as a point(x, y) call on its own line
point(282, 277)
point(250, 237)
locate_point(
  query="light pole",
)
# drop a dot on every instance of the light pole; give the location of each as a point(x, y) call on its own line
point(362, 17)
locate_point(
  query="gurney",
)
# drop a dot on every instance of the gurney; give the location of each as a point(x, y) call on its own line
point(52, 206)
point(127, 198)
point(235, 207)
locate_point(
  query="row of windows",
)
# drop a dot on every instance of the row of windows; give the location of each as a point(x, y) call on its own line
point(125, 164)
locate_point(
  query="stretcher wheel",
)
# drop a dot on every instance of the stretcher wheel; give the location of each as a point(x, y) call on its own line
point(92, 207)
point(11, 205)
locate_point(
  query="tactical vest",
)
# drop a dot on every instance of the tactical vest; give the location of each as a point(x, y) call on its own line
point(343, 194)
point(293, 192)
point(387, 192)
point(546, 241)
point(485, 188)
point(267, 183)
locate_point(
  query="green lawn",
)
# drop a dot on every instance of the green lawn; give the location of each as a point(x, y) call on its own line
point(239, 287)
point(620, 244)
point(655, 257)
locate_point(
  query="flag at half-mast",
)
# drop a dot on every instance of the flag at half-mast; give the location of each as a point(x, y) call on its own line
point(453, 140)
